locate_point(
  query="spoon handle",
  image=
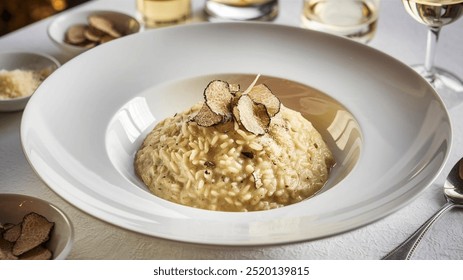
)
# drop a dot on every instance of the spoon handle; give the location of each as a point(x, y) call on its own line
point(405, 250)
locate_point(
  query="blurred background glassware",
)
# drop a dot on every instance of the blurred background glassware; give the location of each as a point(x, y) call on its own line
point(241, 10)
point(159, 13)
point(15, 14)
point(435, 14)
point(354, 19)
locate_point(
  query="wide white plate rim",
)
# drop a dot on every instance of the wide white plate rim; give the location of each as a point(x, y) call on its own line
point(234, 217)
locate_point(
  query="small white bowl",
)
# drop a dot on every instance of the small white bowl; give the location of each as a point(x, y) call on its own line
point(23, 61)
point(57, 29)
point(13, 207)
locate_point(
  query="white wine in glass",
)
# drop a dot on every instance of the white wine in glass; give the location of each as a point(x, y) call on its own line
point(435, 14)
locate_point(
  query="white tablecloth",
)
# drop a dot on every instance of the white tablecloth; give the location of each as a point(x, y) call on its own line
point(398, 35)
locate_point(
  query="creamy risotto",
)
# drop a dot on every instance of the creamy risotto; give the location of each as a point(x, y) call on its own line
point(227, 168)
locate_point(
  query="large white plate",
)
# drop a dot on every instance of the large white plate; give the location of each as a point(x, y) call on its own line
point(390, 132)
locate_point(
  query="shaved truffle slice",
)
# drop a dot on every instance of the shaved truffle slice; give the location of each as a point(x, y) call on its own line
point(104, 25)
point(218, 97)
point(206, 117)
point(12, 234)
point(93, 34)
point(75, 34)
point(88, 45)
point(38, 253)
point(7, 226)
point(261, 94)
point(253, 116)
point(35, 231)
point(106, 38)
point(6, 250)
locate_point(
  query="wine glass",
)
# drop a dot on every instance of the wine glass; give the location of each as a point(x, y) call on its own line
point(435, 14)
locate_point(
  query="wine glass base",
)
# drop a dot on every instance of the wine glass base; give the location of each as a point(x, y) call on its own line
point(447, 85)
point(441, 79)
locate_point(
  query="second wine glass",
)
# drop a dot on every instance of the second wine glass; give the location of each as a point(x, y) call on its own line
point(435, 14)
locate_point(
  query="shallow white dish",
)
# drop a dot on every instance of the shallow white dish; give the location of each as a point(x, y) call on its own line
point(391, 133)
point(23, 61)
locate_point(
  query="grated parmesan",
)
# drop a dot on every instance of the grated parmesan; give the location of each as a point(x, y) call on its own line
point(20, 83)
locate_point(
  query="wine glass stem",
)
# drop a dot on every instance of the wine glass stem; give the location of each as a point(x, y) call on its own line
point(433, 37)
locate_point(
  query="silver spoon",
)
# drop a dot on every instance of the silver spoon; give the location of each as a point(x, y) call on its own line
point(453, 191)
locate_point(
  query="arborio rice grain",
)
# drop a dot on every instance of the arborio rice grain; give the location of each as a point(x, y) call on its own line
point(226, 168)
